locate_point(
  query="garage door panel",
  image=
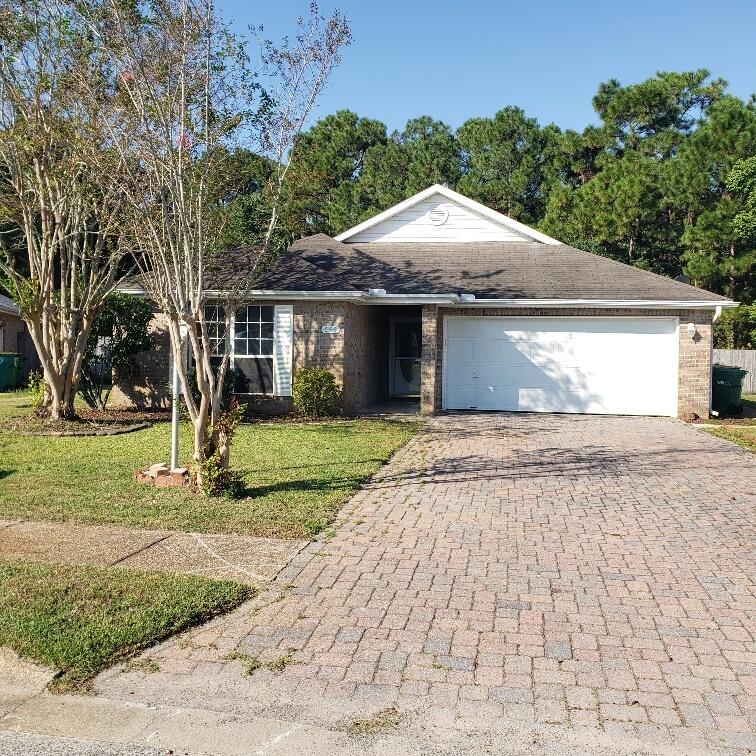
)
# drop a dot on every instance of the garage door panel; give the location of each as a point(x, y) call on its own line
point(540, 400)
point(605, 366)
point(459, 350)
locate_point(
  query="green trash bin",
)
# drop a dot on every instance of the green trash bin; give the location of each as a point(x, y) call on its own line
point(19, 365)
point(726, 390)
point(9, 370)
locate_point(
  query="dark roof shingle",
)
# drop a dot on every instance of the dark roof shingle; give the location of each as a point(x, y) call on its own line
point(489, 270)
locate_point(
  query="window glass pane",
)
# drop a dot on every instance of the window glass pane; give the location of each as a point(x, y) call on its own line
point(254, 346)
point(240, 346)
point(266, 330)
point(241, 315)
point(253, 331)
point(253, 313)
point(266, 347)
point(267, 313)
point(240, 331)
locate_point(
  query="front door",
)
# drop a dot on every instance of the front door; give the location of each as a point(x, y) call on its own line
point(406, 345)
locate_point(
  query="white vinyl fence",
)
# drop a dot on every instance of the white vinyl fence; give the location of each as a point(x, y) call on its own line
point(744, 358)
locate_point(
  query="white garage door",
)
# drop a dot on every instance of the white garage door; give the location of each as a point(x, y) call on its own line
point(623, 366)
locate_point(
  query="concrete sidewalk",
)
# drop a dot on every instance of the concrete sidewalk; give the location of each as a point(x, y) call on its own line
point(234, 557)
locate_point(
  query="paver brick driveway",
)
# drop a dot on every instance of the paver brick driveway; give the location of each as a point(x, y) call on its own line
point(576, 570)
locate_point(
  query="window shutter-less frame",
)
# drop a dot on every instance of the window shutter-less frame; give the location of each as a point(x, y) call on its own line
point(283, 333)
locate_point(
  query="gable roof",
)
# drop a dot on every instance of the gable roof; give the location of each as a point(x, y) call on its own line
point(519, 230)
point(503, 271)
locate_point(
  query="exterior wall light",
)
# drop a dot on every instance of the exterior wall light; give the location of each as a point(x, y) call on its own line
point(467, 297)
point(377, 292)
point(692, 330)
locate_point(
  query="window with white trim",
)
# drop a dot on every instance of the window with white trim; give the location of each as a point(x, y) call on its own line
point(253, 349)
point(253, 331)
point(215, 328)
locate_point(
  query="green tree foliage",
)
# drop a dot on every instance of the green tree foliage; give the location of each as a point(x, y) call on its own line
point(505, 163)
point(665, 180)
point(328, 159)
point(742, 183)
point(119, 332)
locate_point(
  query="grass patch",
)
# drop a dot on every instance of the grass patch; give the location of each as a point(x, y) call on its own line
point(742, 435)
point(147, 666)
point(296, 476)
point(81, 619)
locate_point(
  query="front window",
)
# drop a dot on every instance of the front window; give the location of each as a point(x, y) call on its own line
point(215, 328)
point(253, 331)
point(253, 349)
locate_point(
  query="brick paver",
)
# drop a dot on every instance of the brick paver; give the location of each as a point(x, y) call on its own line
point(571, 570)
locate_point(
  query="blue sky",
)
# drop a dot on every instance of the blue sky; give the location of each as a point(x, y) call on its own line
point(456, 60)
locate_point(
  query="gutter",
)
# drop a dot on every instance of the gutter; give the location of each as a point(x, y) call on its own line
point(381, 297)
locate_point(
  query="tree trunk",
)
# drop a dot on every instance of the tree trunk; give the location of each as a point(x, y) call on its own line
point(732, 290)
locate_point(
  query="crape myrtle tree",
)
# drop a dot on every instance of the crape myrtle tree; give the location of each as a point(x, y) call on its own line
point(59, 209)
point(182, 100)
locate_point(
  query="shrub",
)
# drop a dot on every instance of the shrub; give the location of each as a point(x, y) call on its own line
point(216, 479)
point(37, 389)
point(213, 475)
point(316, 393)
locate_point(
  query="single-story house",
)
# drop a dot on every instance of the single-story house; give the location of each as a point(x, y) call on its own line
point(444, 300)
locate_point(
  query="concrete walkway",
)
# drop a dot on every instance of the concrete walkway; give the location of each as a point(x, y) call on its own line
point(234, 557)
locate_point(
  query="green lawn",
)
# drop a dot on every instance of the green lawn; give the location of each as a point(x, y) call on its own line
point(742, 435)
point(296, 476)
point(739, 430)
point(81, 619)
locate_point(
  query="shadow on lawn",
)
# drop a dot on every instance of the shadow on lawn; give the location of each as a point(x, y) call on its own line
point(307, 485)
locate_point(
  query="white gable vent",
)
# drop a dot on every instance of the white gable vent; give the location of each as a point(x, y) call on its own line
point(438, 216)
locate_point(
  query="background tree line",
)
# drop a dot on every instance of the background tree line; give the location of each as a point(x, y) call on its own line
point(664, 182)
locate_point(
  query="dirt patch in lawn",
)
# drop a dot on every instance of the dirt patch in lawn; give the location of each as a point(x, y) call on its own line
point(88, 422)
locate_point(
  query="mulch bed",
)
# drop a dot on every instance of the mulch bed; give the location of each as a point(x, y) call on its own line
point(89, 422)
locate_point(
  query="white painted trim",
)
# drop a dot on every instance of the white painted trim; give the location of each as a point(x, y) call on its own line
point(634, 304)
point(283, 347)
point(460, 199)
point(362, 297)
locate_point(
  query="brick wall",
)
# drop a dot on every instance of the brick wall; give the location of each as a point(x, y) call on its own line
point(356, 356)
point(12, 326)
point(430, 360)
point(147, 387)
point(694, 375)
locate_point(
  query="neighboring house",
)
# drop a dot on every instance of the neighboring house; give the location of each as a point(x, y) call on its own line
point(14, 336)
point(443, 299)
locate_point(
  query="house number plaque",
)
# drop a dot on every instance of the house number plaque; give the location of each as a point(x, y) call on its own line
point(331, 329)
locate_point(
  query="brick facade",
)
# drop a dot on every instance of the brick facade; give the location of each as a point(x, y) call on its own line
point(12, 327)
point(147, 387)
point(694, 374)
point(358, 354)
